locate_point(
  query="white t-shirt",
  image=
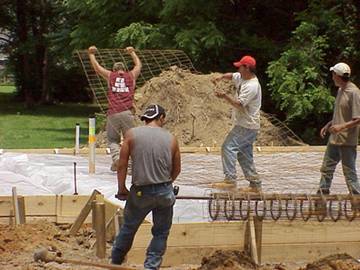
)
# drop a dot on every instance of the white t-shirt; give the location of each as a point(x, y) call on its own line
point(248, 92)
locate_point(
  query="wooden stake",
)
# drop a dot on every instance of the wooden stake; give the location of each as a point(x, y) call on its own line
point(100, 230)
point(253, 238)
point(83, 214)
point(15, 206)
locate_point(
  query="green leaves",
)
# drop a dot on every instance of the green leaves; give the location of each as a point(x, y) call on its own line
point(297, 78)
point(140, 35)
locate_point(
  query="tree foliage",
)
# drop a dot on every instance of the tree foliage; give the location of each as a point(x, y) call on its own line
point(294, 43)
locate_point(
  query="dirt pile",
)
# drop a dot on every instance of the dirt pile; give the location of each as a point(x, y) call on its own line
point(227, 260)
point(334, 262)
point(195, 115)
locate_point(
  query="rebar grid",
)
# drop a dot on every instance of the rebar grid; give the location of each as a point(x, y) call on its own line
point(240, 206)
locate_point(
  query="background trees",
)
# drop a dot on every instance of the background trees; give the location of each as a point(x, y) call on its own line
point(294, 42)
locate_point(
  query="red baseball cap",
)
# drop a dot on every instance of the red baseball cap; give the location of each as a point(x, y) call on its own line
point(247, 60)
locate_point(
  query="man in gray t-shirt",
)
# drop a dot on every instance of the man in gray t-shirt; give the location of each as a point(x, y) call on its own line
point(344, 132)
point(156, 163)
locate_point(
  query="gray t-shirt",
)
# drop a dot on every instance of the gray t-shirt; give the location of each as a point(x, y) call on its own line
point(347, 108)
point(151, 155)
point(248, 92)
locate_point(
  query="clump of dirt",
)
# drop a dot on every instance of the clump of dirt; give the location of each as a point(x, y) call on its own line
point(334, 262)
point(227, 260)
point(195, 115)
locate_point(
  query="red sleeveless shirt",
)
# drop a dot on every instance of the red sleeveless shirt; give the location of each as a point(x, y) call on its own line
point(121, 92)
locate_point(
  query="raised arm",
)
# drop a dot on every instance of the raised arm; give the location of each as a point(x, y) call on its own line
point(95, 64)
point(176, 160)
point(137, 63)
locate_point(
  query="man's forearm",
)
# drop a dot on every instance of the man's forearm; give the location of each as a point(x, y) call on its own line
point(135, 59)
point(121, 176)
point(352, 123)
point(233, 102)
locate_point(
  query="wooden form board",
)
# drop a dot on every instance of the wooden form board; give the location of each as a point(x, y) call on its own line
point(281, 241)
point(184, 149)
point(54, 208)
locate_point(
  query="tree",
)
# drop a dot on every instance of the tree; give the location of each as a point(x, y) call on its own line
point(299, 80)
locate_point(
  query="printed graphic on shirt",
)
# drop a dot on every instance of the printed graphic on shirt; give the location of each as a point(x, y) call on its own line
point(120, 86)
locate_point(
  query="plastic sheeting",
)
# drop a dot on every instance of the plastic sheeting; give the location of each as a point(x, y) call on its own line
point(44, 174)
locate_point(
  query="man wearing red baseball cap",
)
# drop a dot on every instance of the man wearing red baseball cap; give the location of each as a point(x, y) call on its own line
point(238, 144)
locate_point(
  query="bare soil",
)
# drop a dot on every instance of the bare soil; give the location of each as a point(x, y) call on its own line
point(18, 245)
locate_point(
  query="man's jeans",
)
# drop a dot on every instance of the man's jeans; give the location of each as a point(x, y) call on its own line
point(117, 124)
point(159, 199)
point(238, 145)
point(333, 155)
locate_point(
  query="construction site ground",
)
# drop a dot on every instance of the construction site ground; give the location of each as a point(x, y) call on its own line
point(19, 243)
point(53, 174)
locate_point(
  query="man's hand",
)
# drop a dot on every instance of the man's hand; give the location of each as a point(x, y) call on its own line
point(92, 50)
point(336, 128)
point(215, 80)
point(323, 132)
point(130, 50)
point(122, 194)
point(220, 93)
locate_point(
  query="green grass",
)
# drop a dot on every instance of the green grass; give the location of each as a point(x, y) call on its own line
point(44, 126)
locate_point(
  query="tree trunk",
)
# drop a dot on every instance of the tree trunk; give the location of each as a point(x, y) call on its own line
point(23, 65)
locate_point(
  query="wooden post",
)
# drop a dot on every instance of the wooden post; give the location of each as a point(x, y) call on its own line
point(92, 141)
point(83, 214)
point(21, 203)
point(253, 238)
point(100, 230)
point(77, 139)
point(15, 206)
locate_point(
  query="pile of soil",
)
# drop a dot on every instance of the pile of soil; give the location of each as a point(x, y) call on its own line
point(227, 259)
point(334, 262)
point(195, 115)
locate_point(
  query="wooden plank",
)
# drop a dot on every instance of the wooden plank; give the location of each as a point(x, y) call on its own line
point(83, 214)
point(70, 205)
point(5, 206)
point(184, 149)
point(307, 252)
point(282, 232)
point(179, 255)
point(196, 234)
point(40, 205)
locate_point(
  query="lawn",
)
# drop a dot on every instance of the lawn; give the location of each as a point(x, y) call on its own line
point(45, 126)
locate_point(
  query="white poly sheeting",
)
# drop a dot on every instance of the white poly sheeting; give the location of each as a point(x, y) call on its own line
point(39, 174)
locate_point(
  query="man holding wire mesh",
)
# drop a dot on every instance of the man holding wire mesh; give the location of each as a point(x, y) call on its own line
point(238, 144)
point(121, 89)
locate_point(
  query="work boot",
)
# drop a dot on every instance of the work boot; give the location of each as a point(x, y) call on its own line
point(323, 191)
point(114, 166)
point(250, 189)
point(226, 184)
